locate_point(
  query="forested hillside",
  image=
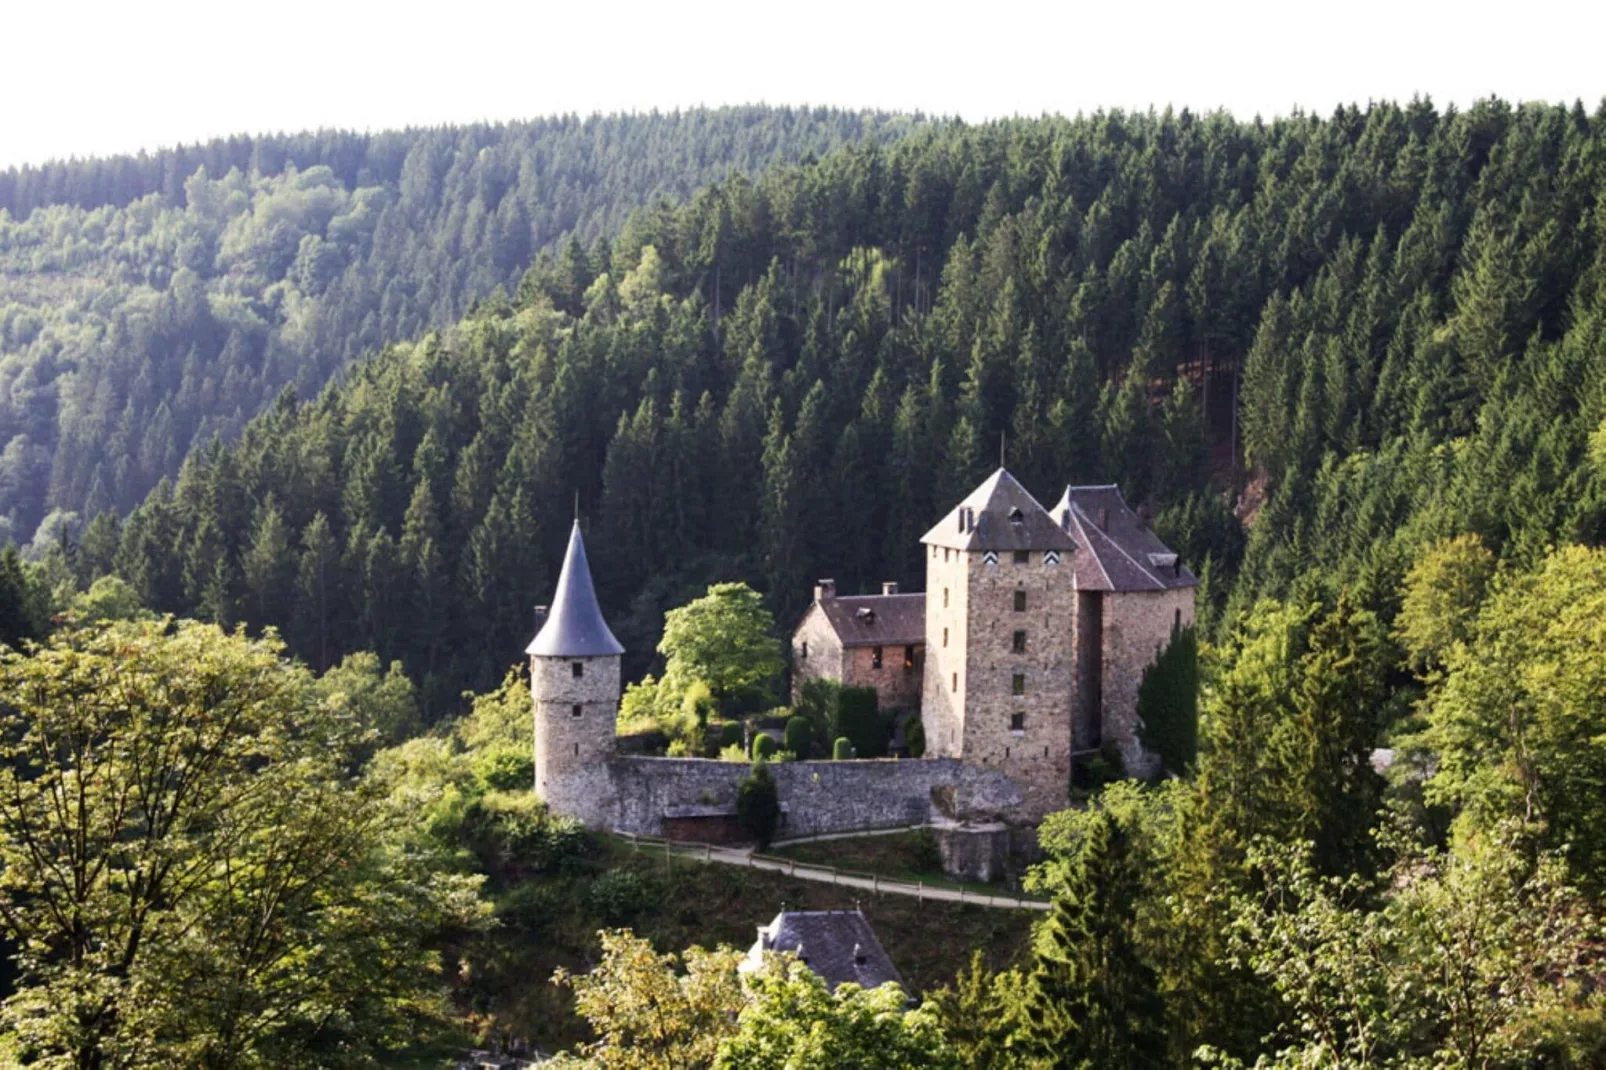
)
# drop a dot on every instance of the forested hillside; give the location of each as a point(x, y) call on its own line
point(148, 303)
point(791, 376)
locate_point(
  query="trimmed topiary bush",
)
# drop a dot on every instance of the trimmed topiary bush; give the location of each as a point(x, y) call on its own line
point(758, 804)
point(730, 734)
point(842, 749)
point(858, 716)
point(799, 736)
point(914, 736)
point(763, 746)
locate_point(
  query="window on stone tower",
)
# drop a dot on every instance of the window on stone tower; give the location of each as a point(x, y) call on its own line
point(1017, 684)
point(945, 637)
point(1023, 557)
point(875, 657)
point(955, 685)
point(576, 710)
point(1020, 601)
point(1019, 643)
point(803, 650)
point(945, 598)
point(578, 668)
point(1017, 722)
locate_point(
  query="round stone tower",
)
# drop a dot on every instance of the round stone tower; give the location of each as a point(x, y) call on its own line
point(574, 680)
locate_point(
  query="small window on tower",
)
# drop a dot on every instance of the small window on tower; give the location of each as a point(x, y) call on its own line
point(578, 668)
point(945, 599)
point(1023, 557)
point(1020, 601)
point(955, 685)
point(1017, 684)
point(1018, 645)
point(1017, 722)
point(803, 650)
point(875, 657)
point(576, 710)
point(945, 637)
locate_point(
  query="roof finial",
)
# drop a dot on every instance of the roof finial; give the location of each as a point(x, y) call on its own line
point(577, 506)
point(1001, 448)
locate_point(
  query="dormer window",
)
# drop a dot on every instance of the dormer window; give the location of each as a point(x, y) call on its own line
point(1016, 516)
point(866, 615)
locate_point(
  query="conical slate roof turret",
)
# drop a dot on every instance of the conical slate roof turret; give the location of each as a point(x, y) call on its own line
point(574, 628)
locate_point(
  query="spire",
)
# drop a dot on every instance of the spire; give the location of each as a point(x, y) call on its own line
point(574, 628)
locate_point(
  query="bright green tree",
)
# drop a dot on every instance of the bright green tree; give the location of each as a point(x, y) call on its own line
point(725, 639)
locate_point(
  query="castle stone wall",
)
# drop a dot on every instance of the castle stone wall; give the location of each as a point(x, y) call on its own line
point(825, 658)
point(896, 688)
point(943, 681)
point(1137, 627)
point(631, 794)
point(1038, 754)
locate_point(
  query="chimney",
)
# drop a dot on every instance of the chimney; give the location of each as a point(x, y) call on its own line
point(824, 589)
point(801, 955)
point(859, 958)
point(889, 587)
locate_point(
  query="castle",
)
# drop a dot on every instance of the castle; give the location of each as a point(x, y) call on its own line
point(1025, 651)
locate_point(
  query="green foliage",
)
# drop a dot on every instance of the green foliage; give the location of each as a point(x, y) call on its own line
point(763, 745)
point(858, 717)
point(842, 749)
point(730, 734)
point(723, 641)
point(792, 1020)
point(1442, 594)
point(1168, 703)
point(618, 897)
point(799, 736)
point(385, 702)
point(1518, 725)
point(914, 736)
point(758, 804)
point(233, 895)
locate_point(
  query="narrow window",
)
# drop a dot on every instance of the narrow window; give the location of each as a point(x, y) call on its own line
point(577, 750)
point(945, 601)
point(908, 658)
point(955, 685)
point(945, 637)
point(803, 650)
point(1017, 722)
point(1019, 643)
point(1023, 557)
point(875, 657)
point(1020, 601)
point(1176, 622)
point(934, 552)
point(576, 710)
point(1017, 684)
point(578, 668)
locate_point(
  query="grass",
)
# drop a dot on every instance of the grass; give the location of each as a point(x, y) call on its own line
point(502, 981)
point(901, 856)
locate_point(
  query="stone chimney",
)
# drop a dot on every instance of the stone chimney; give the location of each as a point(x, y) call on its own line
point(824, 589)
point(889, 587)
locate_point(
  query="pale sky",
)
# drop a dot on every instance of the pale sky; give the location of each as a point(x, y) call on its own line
point(94, 78)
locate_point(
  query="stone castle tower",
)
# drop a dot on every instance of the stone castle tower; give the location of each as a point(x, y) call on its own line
point(574, 680)
point(999, 682)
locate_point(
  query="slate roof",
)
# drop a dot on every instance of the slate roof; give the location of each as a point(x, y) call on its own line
point(876, 619)
point(574, 627)
point(831, 943)
point(1121, 553)
point(999, 515)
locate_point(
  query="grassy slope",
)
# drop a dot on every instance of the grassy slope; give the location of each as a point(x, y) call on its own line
point(904, 856)
point(552, 921)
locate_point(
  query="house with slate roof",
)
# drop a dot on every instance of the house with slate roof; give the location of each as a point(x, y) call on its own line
point(838, 945)
point(863, 640)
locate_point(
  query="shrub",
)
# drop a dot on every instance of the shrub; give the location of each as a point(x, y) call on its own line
point(842, 749)
point(758, 804)
point(516, 833)
point(914, 736)
point(730, 733)
point(924, 854)
point(619, 896)
point(1091, 772)
point(733, 753)
point(858, 716)
point(817, 702)
point(799, 736)
point(763, 745)
point(506, 768)
point(1168, 703)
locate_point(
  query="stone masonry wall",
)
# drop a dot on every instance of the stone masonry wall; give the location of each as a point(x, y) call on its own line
point(1137, 627)
point(823, 796)
point(824, 659)
point(943, 681)
point(1038, 754)
point(569, 745)
point(896, 688)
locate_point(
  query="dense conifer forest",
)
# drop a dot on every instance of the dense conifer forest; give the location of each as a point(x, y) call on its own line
point(1350, 365)
point(150, 303)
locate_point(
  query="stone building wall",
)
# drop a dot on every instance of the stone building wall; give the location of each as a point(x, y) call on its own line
point(824, 657)
point(943, 681)
point(570, 745)
point(1037, 755)
point(631, 794)
point(1137, 627)
point(896, 688)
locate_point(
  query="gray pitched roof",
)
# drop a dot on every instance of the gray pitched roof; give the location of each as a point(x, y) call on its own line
point(999, 515)
point(574, 627)
point(839, 945)
point(877, 619)
point(1118, 551)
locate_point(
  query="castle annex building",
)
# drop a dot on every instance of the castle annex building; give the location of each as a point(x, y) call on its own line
point(1026, 649)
